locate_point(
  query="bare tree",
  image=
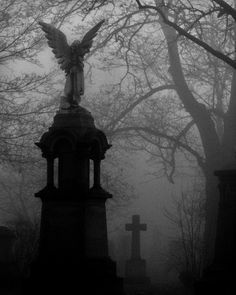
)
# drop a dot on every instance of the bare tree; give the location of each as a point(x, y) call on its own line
point(186, 251)
point(196, 35)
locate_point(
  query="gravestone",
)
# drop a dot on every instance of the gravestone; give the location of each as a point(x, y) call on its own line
point(219, 277)
point(135, 269)
point(73, 247)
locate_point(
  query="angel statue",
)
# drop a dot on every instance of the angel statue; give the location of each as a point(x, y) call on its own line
point(71, 60)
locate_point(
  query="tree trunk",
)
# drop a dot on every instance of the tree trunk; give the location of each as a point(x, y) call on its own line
point(229, 138)
point(208, 135)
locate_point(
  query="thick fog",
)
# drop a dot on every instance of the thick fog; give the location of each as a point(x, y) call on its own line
point(160, 83)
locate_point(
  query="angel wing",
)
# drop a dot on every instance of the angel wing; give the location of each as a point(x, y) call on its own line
point(87, 40)
point(58, 42)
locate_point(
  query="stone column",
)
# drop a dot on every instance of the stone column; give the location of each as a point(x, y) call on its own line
point(73, 249)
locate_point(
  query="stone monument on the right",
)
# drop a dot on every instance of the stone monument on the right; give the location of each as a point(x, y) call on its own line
point(135, 268)
point(220, 276)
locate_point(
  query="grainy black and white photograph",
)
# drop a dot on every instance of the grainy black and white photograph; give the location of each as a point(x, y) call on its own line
point(117, 147)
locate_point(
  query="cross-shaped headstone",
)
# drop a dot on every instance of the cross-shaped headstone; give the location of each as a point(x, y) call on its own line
point(135, 227)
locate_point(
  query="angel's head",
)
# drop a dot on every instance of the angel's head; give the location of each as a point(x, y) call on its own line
point(75, 44)
point(76, 48)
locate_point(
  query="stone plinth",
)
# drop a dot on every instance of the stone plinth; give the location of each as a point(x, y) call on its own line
point(220, 276)
point(73, 248)
point(135, 270)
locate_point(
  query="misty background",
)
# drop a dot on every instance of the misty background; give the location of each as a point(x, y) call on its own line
point(164, 102)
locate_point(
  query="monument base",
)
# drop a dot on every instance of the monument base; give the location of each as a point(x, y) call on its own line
point(90, 276)
point(137, 285)
point(135, 276)
point(68, 261)
point(216, 280)
point(135, 268)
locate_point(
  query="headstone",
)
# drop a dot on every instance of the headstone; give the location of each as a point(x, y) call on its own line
point(219, 277)
point(135, 269)
point(73, 247)
point(135, 227)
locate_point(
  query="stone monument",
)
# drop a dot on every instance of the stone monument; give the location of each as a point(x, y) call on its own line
point(73, 247)
point(135, 268)
point(219, 277)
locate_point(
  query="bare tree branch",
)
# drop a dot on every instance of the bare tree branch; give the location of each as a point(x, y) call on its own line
point(157, 133)
point(226, 8)
point(127, 110)
point(181, 31)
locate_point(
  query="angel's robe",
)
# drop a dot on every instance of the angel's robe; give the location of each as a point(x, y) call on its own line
point(74, 86)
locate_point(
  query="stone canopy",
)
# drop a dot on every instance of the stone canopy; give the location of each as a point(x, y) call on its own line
point(75, 129)
point(72, 138)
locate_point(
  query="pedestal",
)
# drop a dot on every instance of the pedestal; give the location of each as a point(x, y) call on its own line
point(220, 276)
point(135, 276)
point(135, 269)
point(73, 249)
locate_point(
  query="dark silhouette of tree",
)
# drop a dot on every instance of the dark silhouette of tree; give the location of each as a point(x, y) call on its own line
point(175, 23)
point(197, 34)
point(187, 248)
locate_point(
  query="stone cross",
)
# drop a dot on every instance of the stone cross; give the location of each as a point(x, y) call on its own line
point(135, 227)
